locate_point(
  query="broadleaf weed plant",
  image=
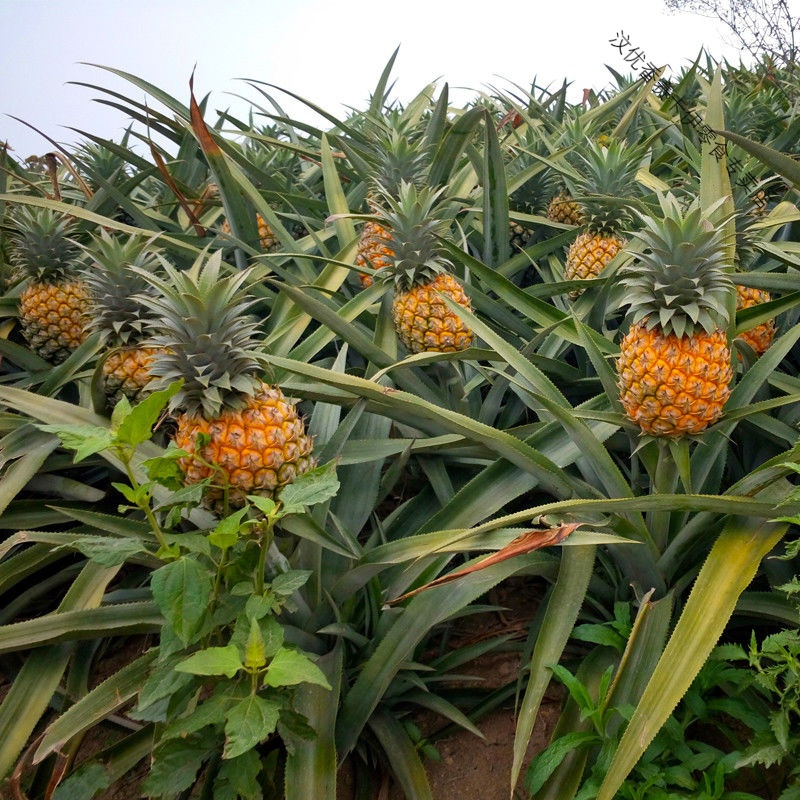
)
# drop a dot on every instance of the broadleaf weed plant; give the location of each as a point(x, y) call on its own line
point(738, 719)
point(219, 694)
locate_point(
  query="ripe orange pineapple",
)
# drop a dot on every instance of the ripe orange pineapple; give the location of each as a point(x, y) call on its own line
point(53, 306)
point(420, 272)
point(118, 314)
point(675, 363)
point(241, 433)
point(604, 182)
point(760, 337)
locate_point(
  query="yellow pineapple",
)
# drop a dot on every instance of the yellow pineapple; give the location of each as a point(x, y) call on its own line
point(675, 363)
point(589, 254)
point(269, 242)
point(565, 209)
point(748, 234)
point(118, 314)
point(421, 274)
point(53, 306)
point(759, 337)
point(603, 184)
point(374, 250)
point(243, 435)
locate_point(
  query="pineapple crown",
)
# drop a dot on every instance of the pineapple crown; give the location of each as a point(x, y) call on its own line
point(416, 219)
point(680, 281)
point(604, 181)
point(199, 318)
point(98, 162)
point(115, 287)
point(533, 195)
point(398, 158)
point(42, 245)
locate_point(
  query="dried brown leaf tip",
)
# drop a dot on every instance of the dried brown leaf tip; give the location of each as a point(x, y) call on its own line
point(527, 542)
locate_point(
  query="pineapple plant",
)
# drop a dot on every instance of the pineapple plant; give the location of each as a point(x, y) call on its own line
point(420, 272)
point(395, 159)
point(54, 305)
point(604, 184)
point(118, 314)
point(674, 366)
point(533, 195)
point(760, 336)
point(238, 431)
point(563, 206)
point(266, 236)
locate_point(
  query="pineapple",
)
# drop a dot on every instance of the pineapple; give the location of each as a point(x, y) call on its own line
point(760, 337)
point(396, 158)
point(269, 242)
point(374, 250)
point(565, 209)
point(605, 181)
point(54, 305)
point(675, 363)
point(531, 195)
point(420, 271)
point(747, 234)
point(240, 432)
point(119, 315)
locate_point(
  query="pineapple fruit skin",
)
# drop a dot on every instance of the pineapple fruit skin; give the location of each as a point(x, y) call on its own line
point(425, 324)
point(760, 337)
point(259, 448)
point(562, 208)
point(674, 386)
point(54, 318)
point(589, 254)
point(374, 250)
point(126, 372)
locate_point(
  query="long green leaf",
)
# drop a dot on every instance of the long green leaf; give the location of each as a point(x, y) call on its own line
point(20, 472)
point(422, 613)
point(81, 623)
point(34, 686)
point(387, 399)
point(727, 572)
point(781, 163)
point(95, 706)
point(311, 765)
point(566, 599)
point(402, 756)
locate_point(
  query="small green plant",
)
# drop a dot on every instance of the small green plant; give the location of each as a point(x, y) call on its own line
point(774, 675)
point(732, 718)
point(219, 689)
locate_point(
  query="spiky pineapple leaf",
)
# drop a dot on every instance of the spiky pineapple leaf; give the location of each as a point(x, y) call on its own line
point(728, 570)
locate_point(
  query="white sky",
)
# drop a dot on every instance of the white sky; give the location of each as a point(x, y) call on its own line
point(331, 53)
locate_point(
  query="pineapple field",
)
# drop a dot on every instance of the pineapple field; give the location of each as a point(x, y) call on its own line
point(320, 447)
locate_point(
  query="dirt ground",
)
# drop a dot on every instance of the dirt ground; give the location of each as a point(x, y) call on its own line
point(470, 767)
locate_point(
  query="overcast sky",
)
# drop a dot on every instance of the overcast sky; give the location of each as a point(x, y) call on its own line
point(331, 53)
